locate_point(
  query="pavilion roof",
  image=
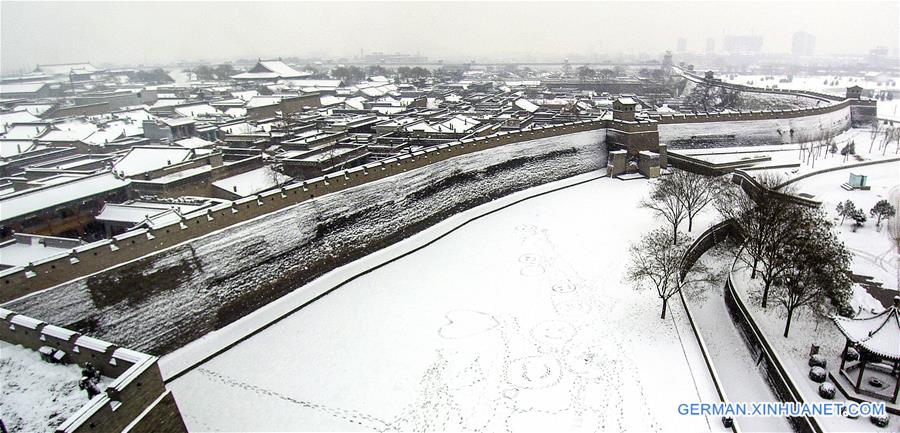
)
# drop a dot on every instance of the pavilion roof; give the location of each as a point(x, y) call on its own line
point(879, 334)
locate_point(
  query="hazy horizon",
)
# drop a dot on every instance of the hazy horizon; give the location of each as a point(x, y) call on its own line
point(137, 33)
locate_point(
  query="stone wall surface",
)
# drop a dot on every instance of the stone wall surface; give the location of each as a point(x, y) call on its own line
point(762, 131)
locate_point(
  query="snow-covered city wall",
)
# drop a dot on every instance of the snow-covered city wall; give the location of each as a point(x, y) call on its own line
point(100, 255)
point(762, 131)
point(163, 301)
point(136, 395)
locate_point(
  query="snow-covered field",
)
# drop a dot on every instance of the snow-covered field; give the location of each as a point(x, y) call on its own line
point(36, 396)
point(826, 84)
point(874, 250)
point(817, 83)
point(516, 321)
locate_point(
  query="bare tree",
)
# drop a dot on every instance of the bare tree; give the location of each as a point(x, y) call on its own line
point(783, 228)
point(693, 190)
point(756, 216)
point(886, 137)
point(656, 264)
point(817, 270)
point(874, 133)
point(665, 202)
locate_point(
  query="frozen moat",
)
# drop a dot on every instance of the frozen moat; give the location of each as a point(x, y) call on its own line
point(519, 320)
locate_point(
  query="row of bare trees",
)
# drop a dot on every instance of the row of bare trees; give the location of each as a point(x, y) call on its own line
point(791, 247)
point(656, 259)
point(884, 135)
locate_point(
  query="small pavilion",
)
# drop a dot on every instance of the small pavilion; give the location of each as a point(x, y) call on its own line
point(876, 338)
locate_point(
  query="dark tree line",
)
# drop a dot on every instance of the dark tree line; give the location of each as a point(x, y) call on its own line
point(217, 72)
point(793, 248)
point(152, 76)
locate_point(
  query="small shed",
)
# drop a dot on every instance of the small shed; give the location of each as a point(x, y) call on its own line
point(858, 181)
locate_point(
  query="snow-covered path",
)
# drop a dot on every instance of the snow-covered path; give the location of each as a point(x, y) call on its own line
point(517, 321)
point(742, 379)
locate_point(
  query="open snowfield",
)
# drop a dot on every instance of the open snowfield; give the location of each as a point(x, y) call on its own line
point(874, 251)
point(516, 321)
point(826, 84)
point(816, 83)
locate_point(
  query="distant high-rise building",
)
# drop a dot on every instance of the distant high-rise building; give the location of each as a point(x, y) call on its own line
point(710, 45)
point(682, 45)
point(878, 55)
point(804, 44)
point(742, 43)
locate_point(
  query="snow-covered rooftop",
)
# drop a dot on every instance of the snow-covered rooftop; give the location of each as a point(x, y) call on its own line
point(66, 68)
point(35, 200)
point(141, 159)
point(12, 117)
point(270, 69)
point(25, 249)
point(252, 182)
point(879, 334)
point(194, 143)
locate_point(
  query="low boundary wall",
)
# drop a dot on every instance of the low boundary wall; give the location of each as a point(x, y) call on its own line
point(778, 378)
point(136, 399)
point(771, 365)
point(711, 237)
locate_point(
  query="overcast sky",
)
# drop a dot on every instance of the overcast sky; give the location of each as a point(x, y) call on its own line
point(135, 33)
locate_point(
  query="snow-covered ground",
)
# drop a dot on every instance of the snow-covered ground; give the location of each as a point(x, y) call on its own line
point(519, 320)
point(806, 330)
point(816, 83)
point(875, 252)
point(826, 84)
point(36, 396)
point(889, 109)
point(786, 159)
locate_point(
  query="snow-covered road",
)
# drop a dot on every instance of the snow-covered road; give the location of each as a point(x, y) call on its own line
point(517, 321)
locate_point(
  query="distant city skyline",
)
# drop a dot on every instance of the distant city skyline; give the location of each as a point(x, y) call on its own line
point(136, 33)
